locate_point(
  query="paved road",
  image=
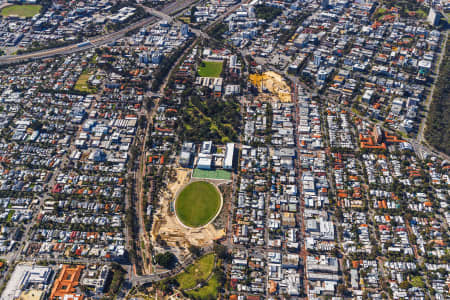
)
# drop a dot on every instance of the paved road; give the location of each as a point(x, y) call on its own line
point(419, 147)
point(150, 114)
point(95, 41)
point(145, 279)
point(420, 135)
point(198, 32)
point(165, 14)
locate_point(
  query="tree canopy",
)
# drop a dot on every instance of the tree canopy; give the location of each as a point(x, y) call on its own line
point(166, 260)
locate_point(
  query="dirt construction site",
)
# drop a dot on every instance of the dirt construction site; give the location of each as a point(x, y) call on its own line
point(169, 228)
point(273, 83)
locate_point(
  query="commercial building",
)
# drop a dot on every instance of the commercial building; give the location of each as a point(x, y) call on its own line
point(229, 155)
point(185, 30)
point(186, 155)
point(204, 162)
point(65, 285)
point(433, 17)
point(98, 279)
point(26, 277)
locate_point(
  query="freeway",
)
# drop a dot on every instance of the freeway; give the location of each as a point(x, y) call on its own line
point(143, 235)
point(168, 13)
point(94, 42)
point(165, 13)
point(200, 33)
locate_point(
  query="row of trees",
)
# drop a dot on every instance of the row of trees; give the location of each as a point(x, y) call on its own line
point(166, 66)
point(438, 123)
point(37, 46)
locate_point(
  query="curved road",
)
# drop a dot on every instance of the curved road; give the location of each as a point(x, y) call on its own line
point(200, 33)
point(97, 41)
point(166, 14)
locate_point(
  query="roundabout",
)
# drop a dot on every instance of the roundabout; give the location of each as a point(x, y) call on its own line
point(198, 204)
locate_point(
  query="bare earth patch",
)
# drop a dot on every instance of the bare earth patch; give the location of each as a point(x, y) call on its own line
point(168, 227)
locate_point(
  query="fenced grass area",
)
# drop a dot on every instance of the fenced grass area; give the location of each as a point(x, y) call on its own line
point(212, 174)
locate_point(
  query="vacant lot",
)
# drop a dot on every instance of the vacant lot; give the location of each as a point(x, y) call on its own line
point(274, 83)
point(200, 270)
point(26, 11)
point(82, 84)
point(197, 204)
point(210, 68)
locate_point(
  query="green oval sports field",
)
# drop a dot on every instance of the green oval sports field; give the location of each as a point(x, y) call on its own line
point(197, 204)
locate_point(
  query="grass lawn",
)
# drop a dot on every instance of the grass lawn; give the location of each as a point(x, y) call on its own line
point(210, 69)
point(197, 204)
point(10, 215)
point(209, 291)
point(417, 281)
point(421, 13)
point(82, 85)
point(27, 11)
point(212, 174)
point(200, 270)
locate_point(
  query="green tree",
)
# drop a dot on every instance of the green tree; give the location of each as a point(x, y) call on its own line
point(221, 251)
point(195, 250)
point(166, 260)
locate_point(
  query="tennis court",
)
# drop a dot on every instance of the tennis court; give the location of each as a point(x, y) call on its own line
point(212, 174)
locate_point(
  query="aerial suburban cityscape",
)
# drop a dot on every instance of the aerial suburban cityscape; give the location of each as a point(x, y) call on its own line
point(224, 149)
